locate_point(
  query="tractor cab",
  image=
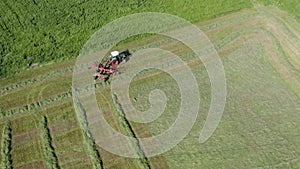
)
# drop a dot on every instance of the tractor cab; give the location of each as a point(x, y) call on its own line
point(114, 54)
point(114, 57)
point(105, 70)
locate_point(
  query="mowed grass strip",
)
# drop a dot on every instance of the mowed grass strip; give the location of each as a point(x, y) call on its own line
point(129, 130)
point(26, 142)
point(2, 124)
point(22, 84)
point(89, 142)
point(286, 36)
point(67, 137)
point(34, 74)
point(242, 138)
point(106, 105)
point(267, 133)
point(37, 92)
point(49, 153)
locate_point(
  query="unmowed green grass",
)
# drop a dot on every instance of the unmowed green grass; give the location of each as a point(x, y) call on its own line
point(44, 32)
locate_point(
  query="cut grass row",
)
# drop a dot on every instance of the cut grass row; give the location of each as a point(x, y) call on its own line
point(87, 137)
point(29, 141)
point(37, 92)
point(287, 71)
point(49, 153)
point(27, 151)
point(67, 137)
point(6, 147)
point(37, 105)
point(34, 73)
point(69, 141)
point(35, 80)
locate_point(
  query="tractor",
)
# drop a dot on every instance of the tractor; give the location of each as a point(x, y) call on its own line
point(104, 71)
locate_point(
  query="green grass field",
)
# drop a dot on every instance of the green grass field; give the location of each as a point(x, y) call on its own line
point(259, 47)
